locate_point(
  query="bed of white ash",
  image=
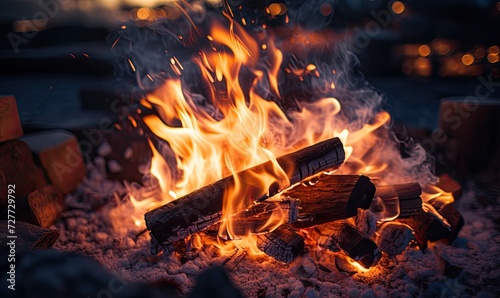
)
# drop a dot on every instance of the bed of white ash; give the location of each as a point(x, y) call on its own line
point(472, 262)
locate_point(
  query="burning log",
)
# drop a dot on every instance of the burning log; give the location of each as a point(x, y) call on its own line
point(427, 227)
point(283, 244)
point(58, 153)
point(333, 197)
point(28, 236)
point(10, 124)
point(256, 219)
point(408, 196)
point(342, 235)
point(448, 184)
point(394, 238)
point(203, 207)
point(454, 218)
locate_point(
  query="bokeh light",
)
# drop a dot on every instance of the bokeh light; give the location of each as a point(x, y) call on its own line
point(424, 50)
point(398, 7)
point(467, 59)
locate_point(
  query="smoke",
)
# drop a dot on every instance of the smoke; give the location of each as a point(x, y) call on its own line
point(315, 65)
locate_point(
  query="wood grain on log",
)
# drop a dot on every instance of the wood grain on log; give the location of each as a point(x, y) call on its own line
point(203, 207)
point(454, 218)
point(408, 195)
point(263, 216)
point(426, 227)
point(28, 236)
point(10, 124)
point(283, 244)
point(332, 197)
point(44, 206)
point(394, 238)
point(342, 235)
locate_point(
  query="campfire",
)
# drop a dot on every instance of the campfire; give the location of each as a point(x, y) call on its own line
point(251, 147)
point(236, 166)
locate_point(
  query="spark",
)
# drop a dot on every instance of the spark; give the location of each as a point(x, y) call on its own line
point(131, 65)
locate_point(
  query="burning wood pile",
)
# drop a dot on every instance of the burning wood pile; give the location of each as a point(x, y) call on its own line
point(345, 213)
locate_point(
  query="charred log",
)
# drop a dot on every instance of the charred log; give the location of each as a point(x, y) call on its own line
point(341, 235)
point(331, 198)
point(201, 208)
point(283, 244)
point(408, 196)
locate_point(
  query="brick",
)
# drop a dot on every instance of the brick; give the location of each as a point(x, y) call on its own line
point(10, 124)
point(58, 153)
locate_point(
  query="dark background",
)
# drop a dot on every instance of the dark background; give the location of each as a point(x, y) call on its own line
point(418, 57)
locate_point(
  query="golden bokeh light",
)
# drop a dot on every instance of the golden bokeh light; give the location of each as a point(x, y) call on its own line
point(467, 59)
point(274, 9)
point(492, 58)
point(398, 7)
point(493, 50)
point(143, 13)
point(424, 50)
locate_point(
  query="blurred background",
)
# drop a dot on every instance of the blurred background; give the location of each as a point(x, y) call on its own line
point(55, 54)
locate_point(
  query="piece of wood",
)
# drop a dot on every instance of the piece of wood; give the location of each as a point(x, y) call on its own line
point(394, 238)
point(28, 236)
point(283, 244)
point(203, 207)
point(10, 123)
point(454, 218)
point(342, 235)
point(58, 153)
point(427, 226)
point(43, 207)
point(261, 217)
point(449, 184)
point(16, 168)
point(331, 197)
point(407, 195)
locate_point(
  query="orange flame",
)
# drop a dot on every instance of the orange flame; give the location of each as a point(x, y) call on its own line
point(242, 128)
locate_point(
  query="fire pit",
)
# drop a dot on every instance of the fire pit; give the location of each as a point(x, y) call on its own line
point(258, 150)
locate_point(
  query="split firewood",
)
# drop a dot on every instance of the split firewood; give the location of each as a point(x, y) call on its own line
point(283, 244)
point(201, 208)
point(330, 198)
point(449, 184)
point(407, 195)
point(394, 238)
point(342, 235)
point(366, 222)
point(260, 217)
point(44, 206)
point(427, 226)
point(17, 169)
point(454, 218)
point(58, 153)
point(28, 236)
point(10, 124)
